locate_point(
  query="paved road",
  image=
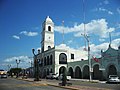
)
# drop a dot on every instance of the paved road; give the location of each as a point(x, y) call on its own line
point(13, 84)
point(103, 86)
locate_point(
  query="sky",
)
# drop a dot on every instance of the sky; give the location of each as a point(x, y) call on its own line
point(21, 26)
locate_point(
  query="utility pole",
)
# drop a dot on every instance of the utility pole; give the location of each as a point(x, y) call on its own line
point(17, 62)
point(89, 60)
point(31, 67)
point(88, 42)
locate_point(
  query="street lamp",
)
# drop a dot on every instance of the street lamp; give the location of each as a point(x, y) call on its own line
point(30, 72)
point(36, 66)
point(89, 61)
point(31, 63)
point(17, 62)
point(9, 66)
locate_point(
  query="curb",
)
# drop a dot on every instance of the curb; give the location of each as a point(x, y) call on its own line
point(25, 80)
point(52, 85)
point(65, 87)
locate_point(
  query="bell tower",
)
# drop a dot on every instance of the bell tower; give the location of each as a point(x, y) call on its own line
point(47, 34)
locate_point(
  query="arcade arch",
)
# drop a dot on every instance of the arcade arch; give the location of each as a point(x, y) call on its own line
point(86, 72)
point(97, 74)
point(78, 73)
point(112, 70)
point(70, 72)
point(62, 69)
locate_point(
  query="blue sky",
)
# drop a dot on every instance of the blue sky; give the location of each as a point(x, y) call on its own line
point(21, 21)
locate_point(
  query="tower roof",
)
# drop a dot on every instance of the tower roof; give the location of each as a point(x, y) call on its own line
point(48, 19)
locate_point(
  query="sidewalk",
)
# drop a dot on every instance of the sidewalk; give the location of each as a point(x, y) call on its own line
point(71, 87)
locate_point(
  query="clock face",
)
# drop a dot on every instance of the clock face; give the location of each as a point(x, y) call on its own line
point(62, 58)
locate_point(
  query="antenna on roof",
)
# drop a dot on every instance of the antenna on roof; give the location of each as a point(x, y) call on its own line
point(63, 31)
point(84, 23)
point(110, 38)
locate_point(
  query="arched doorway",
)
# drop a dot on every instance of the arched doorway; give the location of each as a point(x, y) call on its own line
point(44, 74)
point(62, 70)
point(47, 71)
point(78, 72)
point(97, 74)
point(112, 70)
point(86, 72)
point(70, 72)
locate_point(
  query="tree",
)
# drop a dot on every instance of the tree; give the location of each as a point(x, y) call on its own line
point(15, 70)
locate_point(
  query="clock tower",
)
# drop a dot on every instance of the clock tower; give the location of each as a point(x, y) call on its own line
point(47, 35)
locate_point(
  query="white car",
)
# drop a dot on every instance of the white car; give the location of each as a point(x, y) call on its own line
point(61, 76)
point(4, 76)
point(113, 79)
point(52, 76)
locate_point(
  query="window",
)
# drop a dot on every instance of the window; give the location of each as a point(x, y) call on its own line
point(49, 28)
point(62, 58)
point(72, 56)
point(49, 47)
point(51, 57)
point(47, 60)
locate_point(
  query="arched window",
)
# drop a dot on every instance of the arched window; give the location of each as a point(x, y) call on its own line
point(49, 47)
point(51, 59)
point(47, 60)
point(49, 28)
point(62, 58)
point(44, 61)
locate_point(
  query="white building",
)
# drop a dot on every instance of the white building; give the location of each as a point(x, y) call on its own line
point(54, 59)
point(57, 59)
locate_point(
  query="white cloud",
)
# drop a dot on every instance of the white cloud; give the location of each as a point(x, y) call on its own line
point(116, 34)
point(101, 9)
point(118, 10)
point(101, 40)
point(97, 27)
point(109, 12)
point(118, 25)
point(116, 43)
point(105, 10)
point(96, 49)
point(70, 41)
point(16, 37)
point(29, 33)
point(24, 61)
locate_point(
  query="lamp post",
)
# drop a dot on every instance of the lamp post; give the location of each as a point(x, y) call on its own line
point(36, 66)
point(31, 63)
point(9, 66)
point(89, 61)
point(30, 72)
point(17, 62)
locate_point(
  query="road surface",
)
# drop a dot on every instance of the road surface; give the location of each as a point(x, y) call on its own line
point(14, 84)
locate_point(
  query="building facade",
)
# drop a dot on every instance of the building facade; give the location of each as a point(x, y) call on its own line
point(54, 59)
point(57, 59)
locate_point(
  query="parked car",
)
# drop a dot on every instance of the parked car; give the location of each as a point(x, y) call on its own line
point(4, 76)
point(113, 79)
point(52, 76)
point(61, 76)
